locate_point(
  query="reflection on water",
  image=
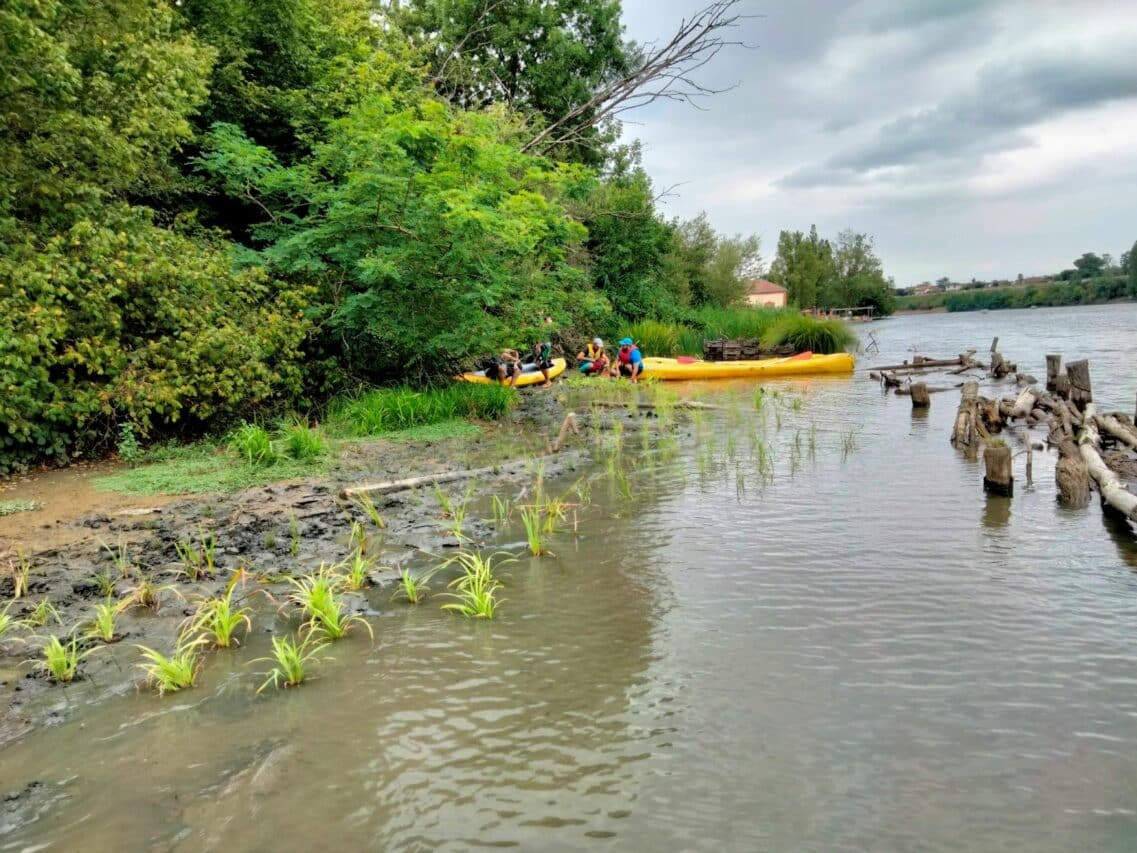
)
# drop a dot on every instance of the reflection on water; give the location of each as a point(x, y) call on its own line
point(778, 642)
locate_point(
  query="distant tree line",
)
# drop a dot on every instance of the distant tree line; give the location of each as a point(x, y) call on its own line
point(1091, 279)
point(843, 273)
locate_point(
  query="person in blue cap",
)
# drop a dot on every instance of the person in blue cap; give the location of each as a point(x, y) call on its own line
point(629, 360)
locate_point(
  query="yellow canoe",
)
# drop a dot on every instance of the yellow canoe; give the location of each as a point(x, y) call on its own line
point(530, 375)
point(806, 364)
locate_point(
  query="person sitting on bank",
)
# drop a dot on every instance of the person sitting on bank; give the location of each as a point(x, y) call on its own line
point(543, 356)
point(506, 365)
point(592, 358)
point(629, 360)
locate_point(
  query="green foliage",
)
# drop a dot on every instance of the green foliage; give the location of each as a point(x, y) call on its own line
point(217, 619)
point(475, 590)
point(42, 613)
point(9, 623)
point(803, 266)
point(302, 442)
point(390, 409)
point(253, 443)
point(411, 589)
point(105, 622)
point(714, 266)
point(808, 333)
point(176, 672)
point(654, 337)
point(291, 658)
point(13, 507)
point(129, 450)
point(319, 601)
point(60, 661)
point(736, 322)
point(1052, 293)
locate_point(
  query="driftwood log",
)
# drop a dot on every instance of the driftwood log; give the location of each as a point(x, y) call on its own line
point(1113, 493)
point(1024, 403)
point(1124, 433)
point(964, 434)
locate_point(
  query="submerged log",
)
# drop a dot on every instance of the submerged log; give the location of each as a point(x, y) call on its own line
point(1078, 372)
point(922, 364)
point(1113, 493)
point(920, 396)
point(999, 477)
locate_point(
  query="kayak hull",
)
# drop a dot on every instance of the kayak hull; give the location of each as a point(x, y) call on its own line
point(530, 375)
point(810, 365)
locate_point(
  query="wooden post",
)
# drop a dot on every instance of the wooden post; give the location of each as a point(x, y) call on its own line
point(1029, 463)
point(1135, 412)
point(1078, 372)
point(1062, 386)
point(999, 478)
point(1053, 368)
point(921, 399)
point(964, 430)
point(995, 343)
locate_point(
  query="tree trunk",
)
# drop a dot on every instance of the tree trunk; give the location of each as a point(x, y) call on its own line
point(1053, 368)
point(1123, 433)
point(920, 397)
point(1024, 403)
point(1078, 372)
point(963, 434)
point(999, 477)
point(1073, 480)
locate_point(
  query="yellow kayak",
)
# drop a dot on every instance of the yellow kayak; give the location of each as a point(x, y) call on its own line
point(805, 364)
point(530, 375)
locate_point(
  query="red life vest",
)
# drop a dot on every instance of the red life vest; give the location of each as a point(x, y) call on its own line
point(625, 354)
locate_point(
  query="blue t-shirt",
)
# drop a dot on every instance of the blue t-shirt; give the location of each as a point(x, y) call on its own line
point(634, 356)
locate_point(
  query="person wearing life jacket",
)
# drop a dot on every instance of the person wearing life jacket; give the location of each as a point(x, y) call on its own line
point(629, 360)
point(592, 358)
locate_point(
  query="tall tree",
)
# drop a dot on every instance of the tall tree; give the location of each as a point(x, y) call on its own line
point(1089, 265)
point(1130, 267)
point(803, 266)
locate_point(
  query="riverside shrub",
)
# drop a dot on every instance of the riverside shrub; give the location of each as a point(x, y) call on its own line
point(119, 321)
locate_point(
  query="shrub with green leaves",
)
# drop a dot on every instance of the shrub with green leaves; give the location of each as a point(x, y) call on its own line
point(809, 333)
point(253, 444)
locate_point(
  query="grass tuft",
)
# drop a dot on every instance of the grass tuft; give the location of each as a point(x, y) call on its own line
point(252, 443)
point(291, 659)
point(475, 590)
point(60, 661)
point(176, 672)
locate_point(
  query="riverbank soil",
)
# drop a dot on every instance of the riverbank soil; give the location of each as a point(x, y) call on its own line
point(82, 541)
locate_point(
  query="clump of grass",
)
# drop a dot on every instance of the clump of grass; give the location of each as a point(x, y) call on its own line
point(146, 594)
point(198, 560)
point(391, 409)
point(176, 672)
point(291, 658)
point(805, 333)
point(104, 581)
point(218, 619)
point(848, 443)
point(475, 590)
point(531, 518)
point(43, 613)
point(655, 338)
point(411, 589)
point(318, 598)
point(302, 442)
point(21, 576)
point(356, 571)
point(104, 626)
point(120, 556)
point(358, 538)
point(253, 443)
point(60, 660)
point(736, 323)
point(9, 623)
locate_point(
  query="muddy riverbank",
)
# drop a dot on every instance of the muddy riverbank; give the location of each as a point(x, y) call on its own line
point(82, 542)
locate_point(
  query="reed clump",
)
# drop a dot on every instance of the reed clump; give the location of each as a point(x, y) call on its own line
point(475, 590)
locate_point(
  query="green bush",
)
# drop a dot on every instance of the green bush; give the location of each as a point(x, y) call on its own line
point(122, 322)
point(734, 323)
point(809, 333)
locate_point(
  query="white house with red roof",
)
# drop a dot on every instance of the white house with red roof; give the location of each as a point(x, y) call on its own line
point(761, 293)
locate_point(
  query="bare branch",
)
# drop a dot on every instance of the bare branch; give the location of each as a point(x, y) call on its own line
point(665, 73)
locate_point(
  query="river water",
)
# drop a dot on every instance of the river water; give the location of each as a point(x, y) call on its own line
point(811, 631)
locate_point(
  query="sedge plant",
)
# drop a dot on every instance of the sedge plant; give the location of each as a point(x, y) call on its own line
point(43, 613)
point(475, 590)
point(9, 623)
point(60, 660)
point(104, 626)
point(356, 570)
point(531, 519)
point(290, 658)
point(319, 601)
point(364, 502)
point(218, 619)
point(176, 672)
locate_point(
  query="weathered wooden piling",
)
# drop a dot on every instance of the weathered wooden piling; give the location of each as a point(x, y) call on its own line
point(921, 399)
point(1078, 372)
point(963, 434)
point(999, 477)
point(1053, 368)
point(1072, 478)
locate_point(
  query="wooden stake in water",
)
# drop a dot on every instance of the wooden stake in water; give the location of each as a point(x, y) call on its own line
point(999, 478)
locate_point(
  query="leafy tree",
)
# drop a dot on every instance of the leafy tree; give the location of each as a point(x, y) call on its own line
point(434, 239)
point(545, 59)
point(714, 266)
point(803, 266)
point(1089, 265)
point(1129, 264)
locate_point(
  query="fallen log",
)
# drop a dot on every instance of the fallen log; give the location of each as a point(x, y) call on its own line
point(1023, 403)
point(430, 479)
point(921, 365)
point(1127, 435)
point(1113, 493)
point(934, 389)
point(678, 404)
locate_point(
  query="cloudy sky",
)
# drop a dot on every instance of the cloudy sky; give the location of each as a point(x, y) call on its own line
point(970, 137)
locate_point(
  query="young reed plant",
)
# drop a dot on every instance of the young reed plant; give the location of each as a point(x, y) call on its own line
point(355, 571)
point(475, 590)
point(146, 594)
point(293, 536)
point(217, 620)
point(531, 519)
point(317, 596)
point(43, 613)
point(391, 409)
point(21, 576)
point(411, 589)
point(176, 672)
point(806, 333)
point(9, 623)
point(364, 502)
point(104, 625)
point(120, 556)
point(501, 511)
point(198, 560)
point(290, 658)
point(60, 660)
